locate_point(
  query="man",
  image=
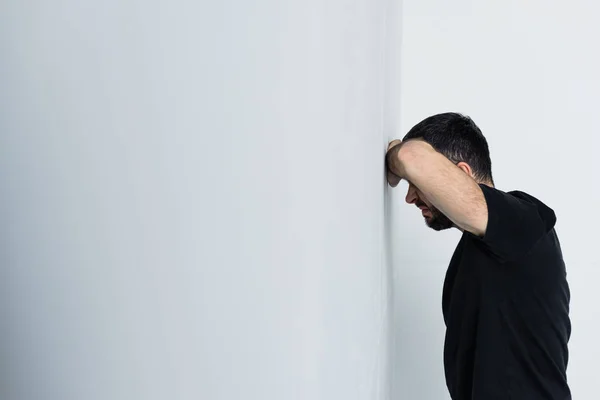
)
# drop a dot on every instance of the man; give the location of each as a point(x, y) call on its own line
point(506, 297)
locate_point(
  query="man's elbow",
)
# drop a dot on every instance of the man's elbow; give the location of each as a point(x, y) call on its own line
point(477, 222)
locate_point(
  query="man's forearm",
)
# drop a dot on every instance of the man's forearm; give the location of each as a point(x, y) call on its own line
point(446, 186)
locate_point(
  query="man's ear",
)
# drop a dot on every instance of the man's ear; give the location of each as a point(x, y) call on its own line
point(466, 168)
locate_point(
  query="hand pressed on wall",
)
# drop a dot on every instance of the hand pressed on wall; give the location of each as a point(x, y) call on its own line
point(393, 179)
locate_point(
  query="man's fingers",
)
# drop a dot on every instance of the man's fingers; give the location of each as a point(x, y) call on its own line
point(393, 143)
point(392, 179)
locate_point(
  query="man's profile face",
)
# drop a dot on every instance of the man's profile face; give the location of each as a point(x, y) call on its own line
point(433, 217)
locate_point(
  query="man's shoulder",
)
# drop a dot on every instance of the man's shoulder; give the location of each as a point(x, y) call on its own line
point(521, 194)
point(516, 193)
point(516, 221)
point(529, 202)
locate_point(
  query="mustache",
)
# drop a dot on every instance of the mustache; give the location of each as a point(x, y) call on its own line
point(420, 204)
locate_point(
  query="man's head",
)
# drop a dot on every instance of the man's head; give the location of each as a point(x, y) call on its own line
point(459, 139)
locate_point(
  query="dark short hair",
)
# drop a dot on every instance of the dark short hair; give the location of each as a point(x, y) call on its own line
point(458, 138)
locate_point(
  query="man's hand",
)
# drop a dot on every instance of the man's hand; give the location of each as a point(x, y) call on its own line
point(393, 179)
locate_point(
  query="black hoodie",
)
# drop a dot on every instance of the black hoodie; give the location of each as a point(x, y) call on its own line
point(506, 306)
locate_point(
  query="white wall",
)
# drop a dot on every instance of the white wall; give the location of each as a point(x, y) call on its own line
point(527, 73)
point(193, 199)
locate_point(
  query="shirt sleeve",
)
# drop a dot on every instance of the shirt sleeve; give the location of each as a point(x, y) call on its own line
point(516, 222)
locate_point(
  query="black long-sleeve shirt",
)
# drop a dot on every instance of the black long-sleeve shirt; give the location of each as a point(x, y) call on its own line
point(506, 306)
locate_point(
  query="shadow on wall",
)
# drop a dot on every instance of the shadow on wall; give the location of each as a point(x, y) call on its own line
point(388, 257)
point(417, 263)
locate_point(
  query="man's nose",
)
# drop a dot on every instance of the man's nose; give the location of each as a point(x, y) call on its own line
point(411, 194)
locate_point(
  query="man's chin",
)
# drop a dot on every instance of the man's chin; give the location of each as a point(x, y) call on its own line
point(438, 224)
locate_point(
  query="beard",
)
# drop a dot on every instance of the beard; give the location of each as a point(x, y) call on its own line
point(438, 221)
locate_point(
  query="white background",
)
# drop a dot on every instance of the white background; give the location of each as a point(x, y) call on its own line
point(527, 73)
point(193, 199)
point(193, 202)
